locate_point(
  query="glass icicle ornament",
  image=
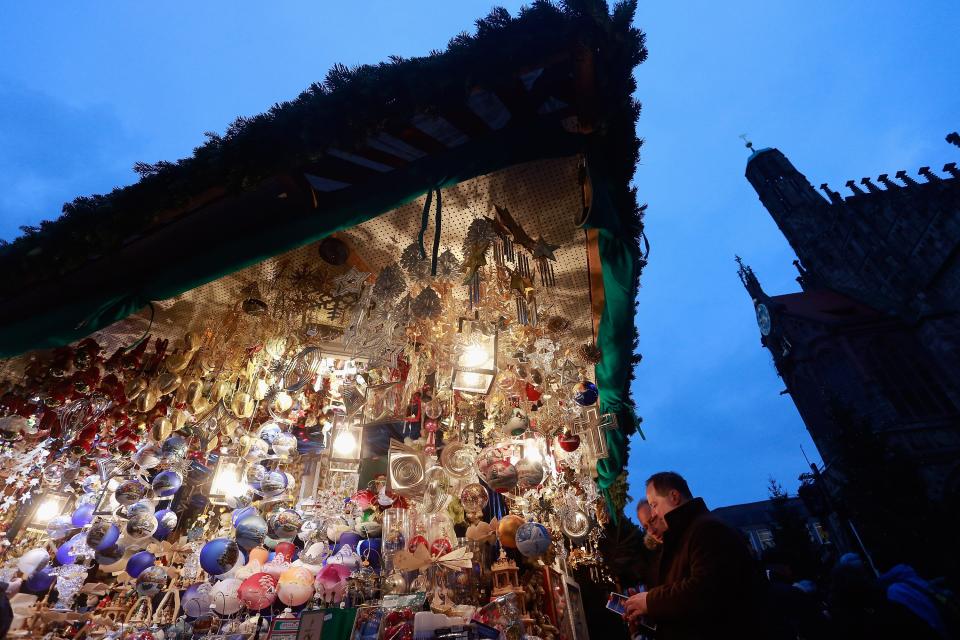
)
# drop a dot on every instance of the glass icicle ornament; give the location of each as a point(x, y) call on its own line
point(191, 566)
point(70, 577)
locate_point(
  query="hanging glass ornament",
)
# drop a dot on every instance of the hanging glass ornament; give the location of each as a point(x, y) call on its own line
point(587, 354)
point(242, 405)
point(575, 524)
point(558, 325)
point(59, 527)
point(161, 428)
point(129, 492)
point(53, 475)
point(168, 382)
point(285, 524)
point(585, 393)
point(167, 483)
point(174, 448)
point(390, 283)
point(285, 445)
point(269, 431)
point(427, 304)
point(474, 497)
point(448, 266)
point(458, 459)
point(479, 233)
point(257, 449)
point(433, 409)
point(142, 525)
point(152, 581)
point(139, 507)
point(413, 263)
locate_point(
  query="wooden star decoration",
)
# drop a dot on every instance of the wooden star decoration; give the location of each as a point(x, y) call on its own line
point(476, 259)
point(350, 282)
point(507, 223)
point(522, 284)
point(544, 249)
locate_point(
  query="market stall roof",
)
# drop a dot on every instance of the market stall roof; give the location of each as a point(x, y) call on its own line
point(550, 83)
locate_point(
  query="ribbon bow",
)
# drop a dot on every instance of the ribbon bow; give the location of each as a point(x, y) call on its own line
point(483, 531)
point(457, 559)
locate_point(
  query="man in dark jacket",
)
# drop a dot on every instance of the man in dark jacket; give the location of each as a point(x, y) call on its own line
point(707, 585)
point(645, 569)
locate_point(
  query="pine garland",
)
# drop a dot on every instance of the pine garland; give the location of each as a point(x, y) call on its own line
point(341, 111)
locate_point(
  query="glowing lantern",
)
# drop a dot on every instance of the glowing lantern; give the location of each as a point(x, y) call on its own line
point(476, 365)
point(228, 486)
point(347, 442)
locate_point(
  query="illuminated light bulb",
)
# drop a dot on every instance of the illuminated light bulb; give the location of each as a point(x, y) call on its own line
point(228, 482)
point(47, 510)
point(261, 390)
point(531, 450)
point(474, 356)
point(345, 444)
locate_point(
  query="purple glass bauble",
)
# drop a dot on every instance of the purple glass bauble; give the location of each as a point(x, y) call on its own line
point(139, 562)
point(585, 393)
point(83, 515)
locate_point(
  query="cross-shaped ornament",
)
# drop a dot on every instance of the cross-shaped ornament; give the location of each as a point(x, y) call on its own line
point(592, 426)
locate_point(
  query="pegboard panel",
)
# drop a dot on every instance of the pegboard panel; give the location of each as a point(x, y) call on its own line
point(543, 196)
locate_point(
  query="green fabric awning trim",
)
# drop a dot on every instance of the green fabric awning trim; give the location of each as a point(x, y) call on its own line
point(616, 336)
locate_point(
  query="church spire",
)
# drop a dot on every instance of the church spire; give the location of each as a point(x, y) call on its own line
point(749, 279)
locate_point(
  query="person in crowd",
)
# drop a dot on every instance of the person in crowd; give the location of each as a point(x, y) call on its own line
point(6, 612)
point(795, 607)
point(904, 587)
point(647, 564)
point(707, 585)
point(653, 527)
point(645, 570)
point(859, 607)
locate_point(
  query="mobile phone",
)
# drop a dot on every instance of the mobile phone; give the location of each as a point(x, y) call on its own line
point(617, 602)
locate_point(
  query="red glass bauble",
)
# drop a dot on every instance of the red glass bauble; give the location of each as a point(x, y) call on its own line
point(568, 441)
point(440, 547)
point(285, 549)
point(415, 542)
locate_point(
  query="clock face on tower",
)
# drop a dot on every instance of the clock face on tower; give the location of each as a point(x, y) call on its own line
point(763, 319)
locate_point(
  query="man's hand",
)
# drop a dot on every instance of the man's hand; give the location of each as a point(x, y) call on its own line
point(636, 606)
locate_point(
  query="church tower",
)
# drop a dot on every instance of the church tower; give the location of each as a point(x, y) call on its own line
point(808, 222)
point(876, 330)
point(793, 203)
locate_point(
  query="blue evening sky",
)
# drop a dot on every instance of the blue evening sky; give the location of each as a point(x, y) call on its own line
point(845, 89)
